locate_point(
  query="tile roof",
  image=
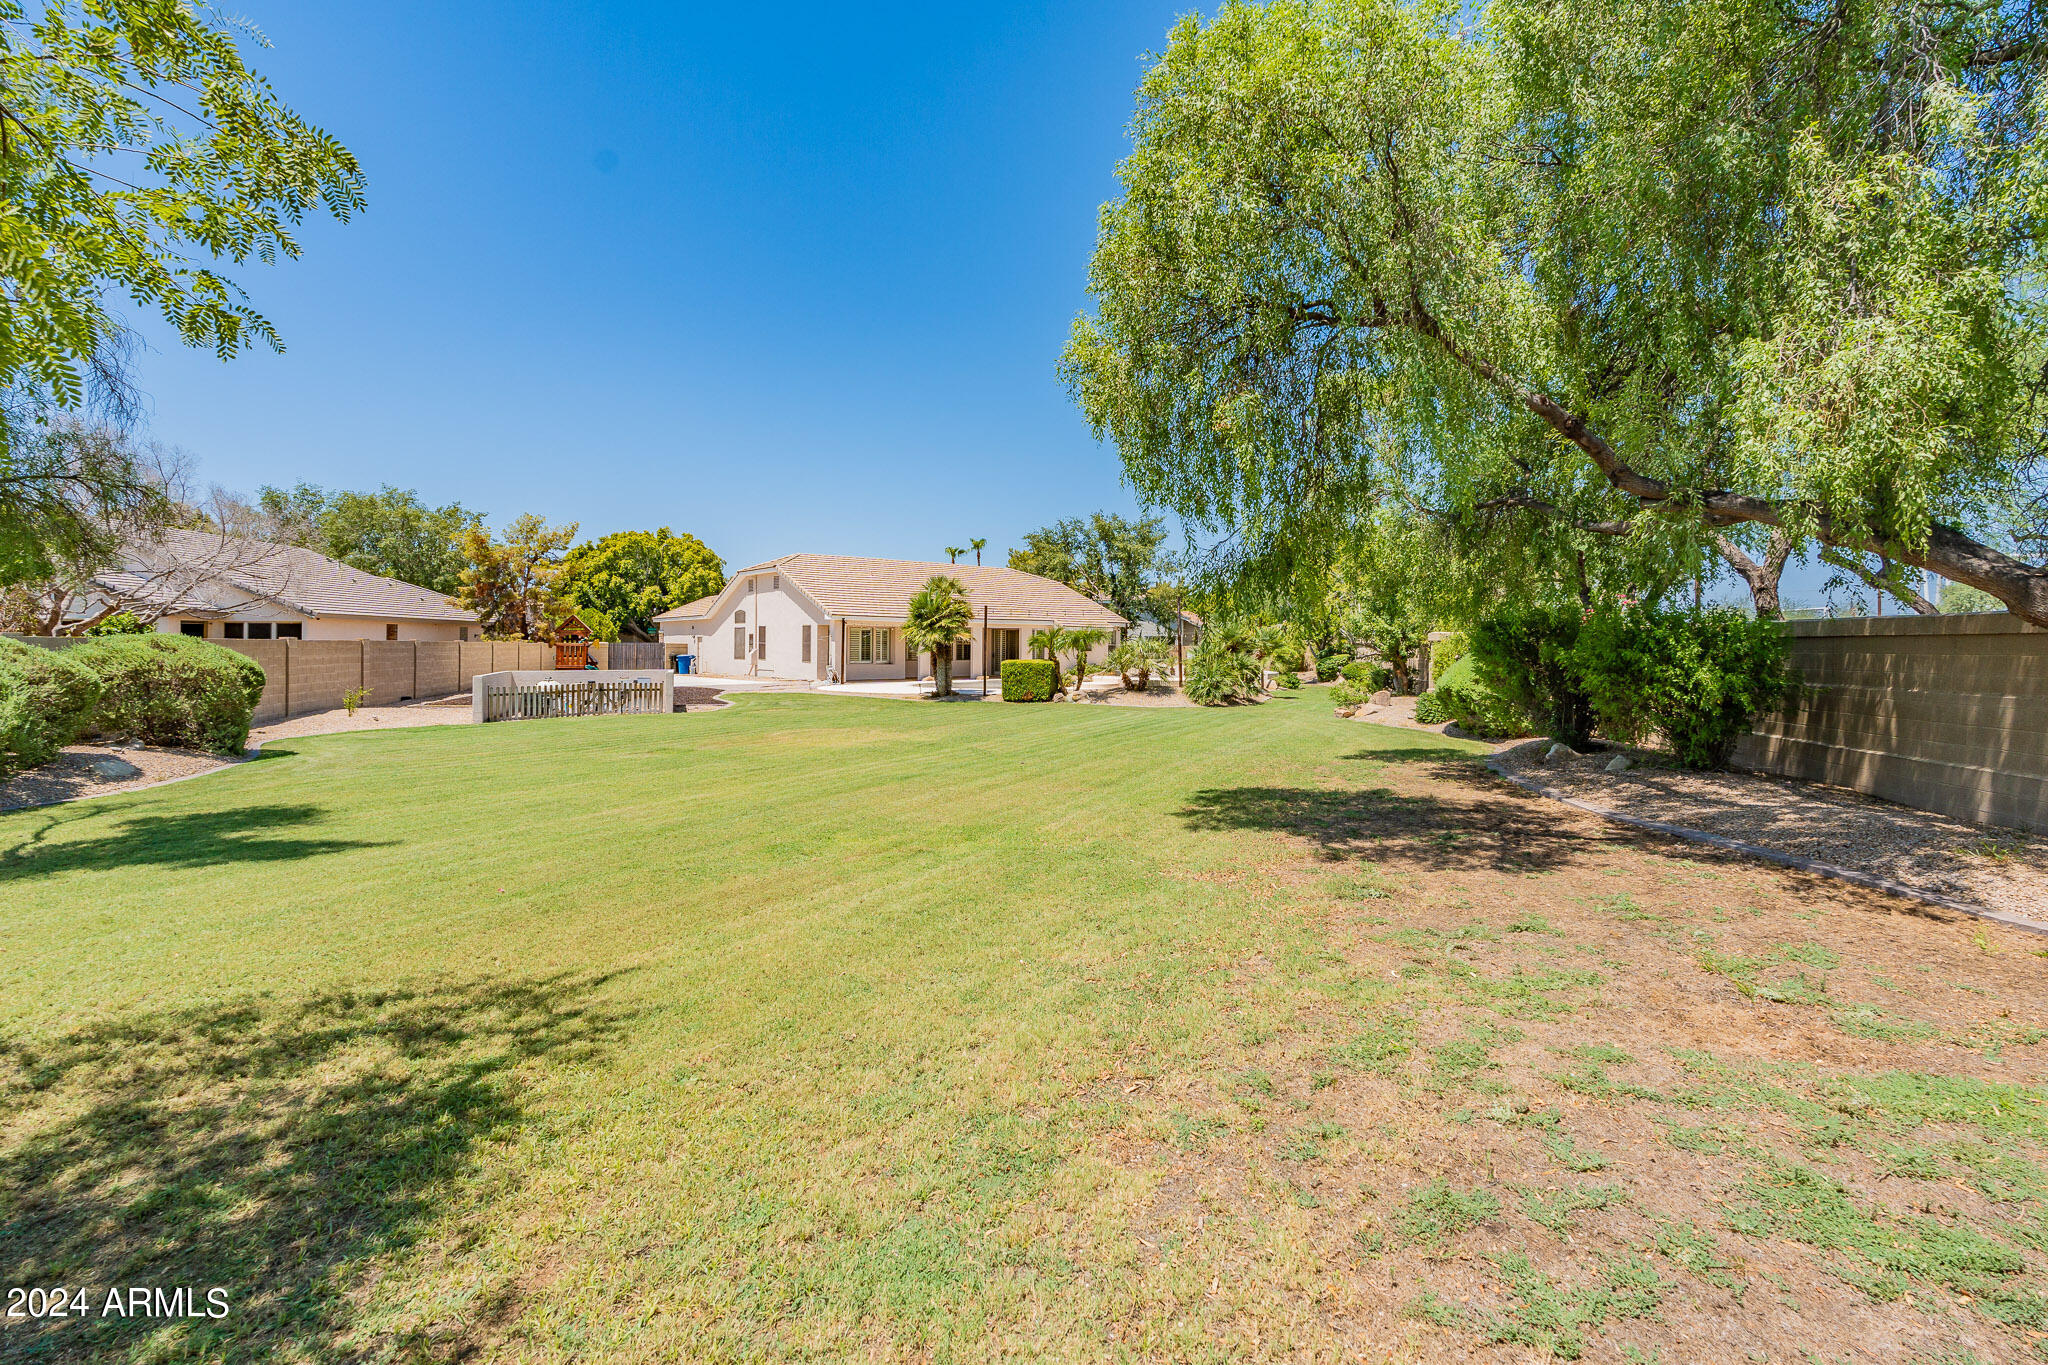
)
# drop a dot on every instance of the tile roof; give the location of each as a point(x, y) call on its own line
point(698, 607)
point(881, 589)
point(303, 580)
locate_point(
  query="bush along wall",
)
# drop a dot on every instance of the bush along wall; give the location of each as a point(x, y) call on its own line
point(46, 702)
point(1697, 678)
point(1526, 656)
point(172, 690)
point(1029, 679)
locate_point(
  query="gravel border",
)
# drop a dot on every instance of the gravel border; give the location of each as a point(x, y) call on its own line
point(1792, 860)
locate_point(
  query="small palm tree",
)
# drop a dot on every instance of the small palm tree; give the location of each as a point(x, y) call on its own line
point(953, 553)
point(1052, 642)
point(1081, 641)
point(939, 615)
point(976, 546)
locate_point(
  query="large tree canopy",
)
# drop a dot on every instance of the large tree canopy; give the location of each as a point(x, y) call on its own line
point(1631, 267)
point(390, 533)
point(1103, 555)
point(634, 576)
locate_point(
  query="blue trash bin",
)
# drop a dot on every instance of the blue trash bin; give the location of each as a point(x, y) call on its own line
point(686, 663)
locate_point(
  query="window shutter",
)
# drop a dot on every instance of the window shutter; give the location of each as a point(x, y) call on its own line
point(806, 644)
point(739, 642)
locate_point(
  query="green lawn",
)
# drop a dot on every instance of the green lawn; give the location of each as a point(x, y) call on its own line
point(825, 1028)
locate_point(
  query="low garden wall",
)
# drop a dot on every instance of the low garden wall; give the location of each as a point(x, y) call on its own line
point(523, 694)
point(1942, 713)
point(312, 675)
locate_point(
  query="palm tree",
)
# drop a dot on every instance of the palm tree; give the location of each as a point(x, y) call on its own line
point(1081, 641)
point(1053, 641)
point(939, 615)
point(953, 552)
point(976, 546)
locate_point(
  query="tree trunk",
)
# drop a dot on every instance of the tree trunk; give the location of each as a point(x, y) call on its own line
point(1762, 578)
point(942, 670)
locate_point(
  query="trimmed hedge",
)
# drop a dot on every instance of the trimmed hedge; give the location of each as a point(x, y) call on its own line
point(1030, 679)
point(1477, 708)
point(46, 701)
point(173, 690)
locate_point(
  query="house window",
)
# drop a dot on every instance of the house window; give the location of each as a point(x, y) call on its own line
point(290, 630)
point(464, 637)
point(231, 630)
point(739, 618)
point(963, 650)
point(805, 636)
point(390, 632)
point(259, 630)
point(871, 645)
point(882, 653)
point(761, 642)
point(192, 628)
point(739, 642)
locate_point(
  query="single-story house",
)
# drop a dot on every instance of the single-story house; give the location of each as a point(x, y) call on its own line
point(1188, 636)
point(230, 588)
point(838, 618)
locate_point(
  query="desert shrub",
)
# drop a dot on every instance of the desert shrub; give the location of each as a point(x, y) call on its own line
point(1473, 705)
point(1697, 678)
point(1330, 666)
point(1029, 679)
point(1429, 709)
point(1525, 655)
point(120, 623)
point(1222, 670)
point(173, 690)
point(46, 701)
point(1287, 678)
point(1348, 693)
point(1368, 674)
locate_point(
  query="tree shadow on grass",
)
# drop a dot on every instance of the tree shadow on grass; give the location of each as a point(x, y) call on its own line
point(247, 834)
point(265, 1147)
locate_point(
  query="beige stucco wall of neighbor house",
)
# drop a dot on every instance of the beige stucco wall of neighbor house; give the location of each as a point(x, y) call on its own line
point(1943, 713)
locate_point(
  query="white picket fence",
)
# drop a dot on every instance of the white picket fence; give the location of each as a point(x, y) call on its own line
point(549, 696)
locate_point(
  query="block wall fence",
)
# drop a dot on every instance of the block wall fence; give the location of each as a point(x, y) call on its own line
point(1942, 713)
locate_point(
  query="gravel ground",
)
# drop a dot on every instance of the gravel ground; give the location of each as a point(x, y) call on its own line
point(1111, 692)
point(366, 718)
point(1996, 868)
point(69, 775)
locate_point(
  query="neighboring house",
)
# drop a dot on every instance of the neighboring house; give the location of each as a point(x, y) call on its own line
point(1190, 630)
point(837, 618)
point(226, 588)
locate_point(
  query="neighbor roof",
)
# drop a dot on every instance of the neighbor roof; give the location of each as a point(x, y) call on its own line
point(848, 585)
point(302, 580)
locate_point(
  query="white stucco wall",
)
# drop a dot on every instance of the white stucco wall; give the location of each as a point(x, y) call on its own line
point(763, 601)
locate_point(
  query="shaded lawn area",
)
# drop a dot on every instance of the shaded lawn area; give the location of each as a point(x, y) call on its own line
point(823, 1028)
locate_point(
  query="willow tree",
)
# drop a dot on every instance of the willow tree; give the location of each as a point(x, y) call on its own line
point(1644, 269)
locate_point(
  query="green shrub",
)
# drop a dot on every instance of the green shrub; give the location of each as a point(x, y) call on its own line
point(1473, 705)
point(1348, 693)
point(1222, 669)
point(120, 623)
point(1029, 679)
point(1525, 655)
point(1287, 678)
point(1429, 709)
point(173, 690)
point(1443, 653)
point(1330, 666)
point(1368, 674)
point(46, 701)
point(1697, 678)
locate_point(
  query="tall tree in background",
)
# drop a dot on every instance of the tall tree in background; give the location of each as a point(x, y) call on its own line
point(634, 576)
point(978, 544)
point(510, 583)
point(390, 533)
point(1105, 556)
point(214, 168)
point(1642, 268)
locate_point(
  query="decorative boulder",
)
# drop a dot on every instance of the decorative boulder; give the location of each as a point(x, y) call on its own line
point(113, 769)
point(1382, 697)
point(1557, 751)
point(1619, 764)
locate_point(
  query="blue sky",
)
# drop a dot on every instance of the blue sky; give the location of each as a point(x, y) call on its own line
point(789, 278)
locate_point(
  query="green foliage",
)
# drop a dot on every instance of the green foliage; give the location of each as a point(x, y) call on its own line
point(173, 690)
point(1349, 694)
point(1138, 658)
point(46, 701)
point(1525, 656)
point(211, 163)
point(1030, 679)
point(1104, 556)
point(1223, 669)
point(1506, 262)
point(71, 489)
point(1287, 679)
point(937, 617)
point(1555, 1210)
point(1331, 665)
point(390, 533)
point(1430, 709)
point(1460, 696)
point(1366, 674)
point(120, 623)
point(513, 584)
point(1960, 598)
point(1437, 1212)
point(634, 576)
point(1698, 678)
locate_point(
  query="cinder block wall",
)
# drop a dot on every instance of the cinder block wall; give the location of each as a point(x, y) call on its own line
point(1942, 713)
point(272, 655)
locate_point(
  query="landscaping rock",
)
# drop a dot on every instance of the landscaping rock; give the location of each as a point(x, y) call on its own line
point(1557, 751)
point(113, 769)
point(1347, 712)
point(1619, 764)
point(1382, 697)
